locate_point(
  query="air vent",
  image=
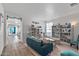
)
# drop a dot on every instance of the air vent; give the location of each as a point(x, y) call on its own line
point(73, 4)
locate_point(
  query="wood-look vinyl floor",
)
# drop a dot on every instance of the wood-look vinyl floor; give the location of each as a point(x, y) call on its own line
point(16, 49)
point(21, 49)
point(62, 47)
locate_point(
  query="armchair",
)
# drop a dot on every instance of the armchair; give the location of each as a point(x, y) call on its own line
point(76, 43)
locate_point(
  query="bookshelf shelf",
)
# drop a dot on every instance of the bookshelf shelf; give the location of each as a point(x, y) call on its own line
point(36, 31)
point(62, 31)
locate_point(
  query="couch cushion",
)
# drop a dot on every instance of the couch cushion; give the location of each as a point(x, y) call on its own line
point(69, 53)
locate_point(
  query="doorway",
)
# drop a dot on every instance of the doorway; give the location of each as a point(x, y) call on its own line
point(13, 30)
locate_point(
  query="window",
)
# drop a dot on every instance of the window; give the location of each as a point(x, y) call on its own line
point(49, 29)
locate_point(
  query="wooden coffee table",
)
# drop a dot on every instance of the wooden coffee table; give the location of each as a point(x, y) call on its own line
point(57, 40)
point(48, 39)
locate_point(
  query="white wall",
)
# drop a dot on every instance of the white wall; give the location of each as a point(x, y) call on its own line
point(1, 31)
point(40, 12)
point(26, 23)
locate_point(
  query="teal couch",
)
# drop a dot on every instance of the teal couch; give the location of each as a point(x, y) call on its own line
point(39, 46)
point(69, 53)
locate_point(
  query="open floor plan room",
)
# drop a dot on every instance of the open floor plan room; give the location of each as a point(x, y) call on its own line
point(39, 29)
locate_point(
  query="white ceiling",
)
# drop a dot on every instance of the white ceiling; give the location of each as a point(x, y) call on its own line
point(43, 12)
